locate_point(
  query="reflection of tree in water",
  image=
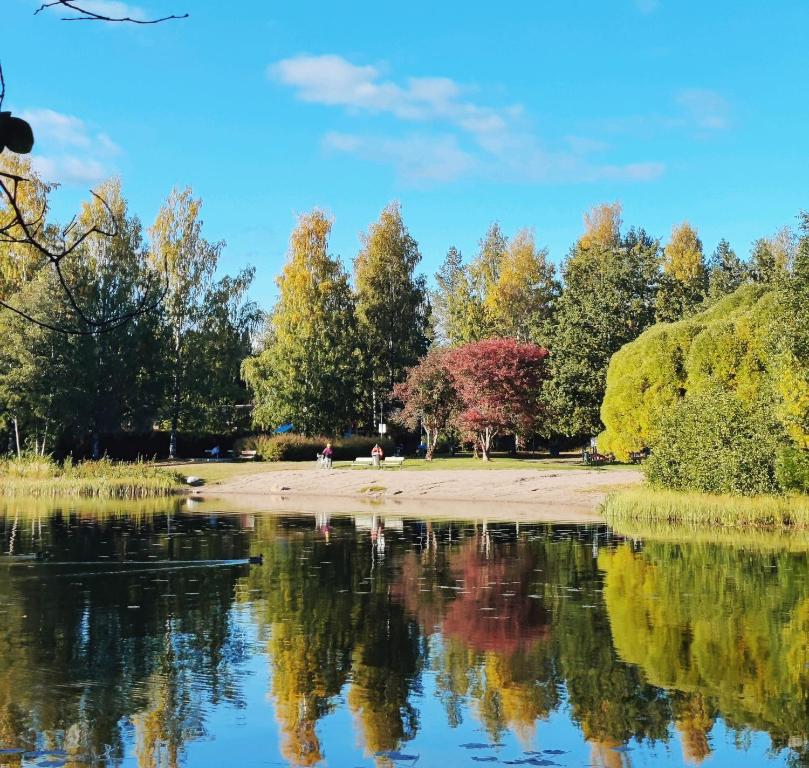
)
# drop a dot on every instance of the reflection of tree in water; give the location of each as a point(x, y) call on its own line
point(338, 616)
point(77, 660)
point(495, 636)
point(330, 620)
point(735, 645)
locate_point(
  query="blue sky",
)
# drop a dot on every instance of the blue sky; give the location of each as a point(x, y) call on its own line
point(524, 112)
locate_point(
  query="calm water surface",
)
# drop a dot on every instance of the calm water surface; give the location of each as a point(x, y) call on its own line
point(147, 639)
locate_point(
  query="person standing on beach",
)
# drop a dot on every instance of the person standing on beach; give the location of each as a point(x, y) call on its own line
point(328, 453)
point(377, 454)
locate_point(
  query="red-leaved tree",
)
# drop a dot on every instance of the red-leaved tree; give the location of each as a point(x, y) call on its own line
point(499, 385)
point(428, 396)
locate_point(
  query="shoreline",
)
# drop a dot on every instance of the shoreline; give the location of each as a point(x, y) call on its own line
point(563, 495)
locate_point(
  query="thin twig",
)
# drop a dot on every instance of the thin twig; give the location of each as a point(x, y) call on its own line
point(86, 15)
point(2, 86)
point(28, 231)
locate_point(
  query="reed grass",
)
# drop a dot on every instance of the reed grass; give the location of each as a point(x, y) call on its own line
point(41, 476)
point(653, 506)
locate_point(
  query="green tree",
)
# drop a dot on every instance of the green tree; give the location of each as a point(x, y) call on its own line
point(190, 262)
point(306, 372)
point(392, 306)
point(458, 312)
point(610, 283)
point(78, 387)
point(772, 257)
point(726, 272)
point(216, 393)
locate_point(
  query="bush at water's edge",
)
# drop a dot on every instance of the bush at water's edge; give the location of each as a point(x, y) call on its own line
point(719, 398)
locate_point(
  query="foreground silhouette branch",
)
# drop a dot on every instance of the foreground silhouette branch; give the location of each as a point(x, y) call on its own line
point(88, 15)
point(18, 230)
point(21, 232)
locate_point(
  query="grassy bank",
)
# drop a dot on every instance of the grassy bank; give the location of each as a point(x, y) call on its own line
point(651, 506)
point(101, 479)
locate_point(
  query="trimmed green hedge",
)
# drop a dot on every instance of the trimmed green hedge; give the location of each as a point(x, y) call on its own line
point(300, 448)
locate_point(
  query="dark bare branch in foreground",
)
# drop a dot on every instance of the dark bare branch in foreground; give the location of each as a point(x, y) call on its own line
point(85, 15)
point(18, 230)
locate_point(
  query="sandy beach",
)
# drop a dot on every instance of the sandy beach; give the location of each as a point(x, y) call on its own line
point(530, 494)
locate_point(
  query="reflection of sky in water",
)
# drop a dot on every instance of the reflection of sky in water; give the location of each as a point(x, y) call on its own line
point(199, 653)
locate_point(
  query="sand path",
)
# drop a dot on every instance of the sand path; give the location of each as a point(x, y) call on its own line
point(568, 494)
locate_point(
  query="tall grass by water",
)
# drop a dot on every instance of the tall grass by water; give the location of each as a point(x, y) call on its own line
point(649, 505)
point(41, 476)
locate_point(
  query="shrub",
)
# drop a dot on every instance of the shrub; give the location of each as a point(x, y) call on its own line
point(714, 443)
point(300, 448)
point(792, 469)
point(726, 346)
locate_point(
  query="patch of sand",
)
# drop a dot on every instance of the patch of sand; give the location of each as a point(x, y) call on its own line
point(570, 495)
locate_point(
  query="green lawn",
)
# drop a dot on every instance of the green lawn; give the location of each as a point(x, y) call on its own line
point(218, 471)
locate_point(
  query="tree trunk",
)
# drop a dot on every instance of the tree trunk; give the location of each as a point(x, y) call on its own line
point(17, 437)
point(486, 443)
point(175, 398)
point(432, 440)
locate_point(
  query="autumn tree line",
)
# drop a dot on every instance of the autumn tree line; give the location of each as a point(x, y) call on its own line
point(174, 368)
point(504, 344)
point(501, 342)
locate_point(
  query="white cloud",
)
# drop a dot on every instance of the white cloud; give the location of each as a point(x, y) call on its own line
point(335, 81)
point(70, 169)
point(706, 109)
point(67, 150)
point(416, 159)
point(473, 139)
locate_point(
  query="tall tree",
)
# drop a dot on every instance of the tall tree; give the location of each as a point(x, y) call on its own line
point(392, 305)
point(428, 396)
point(307, 371)
point(726, 271)
point(190, 262)
point(78, 387)
point(499, 383)
point(610, 284)
point(216, 393)
point(519, 304)
point(685, 276)
point(485, 269)
point(772, 257)
point(457, 310)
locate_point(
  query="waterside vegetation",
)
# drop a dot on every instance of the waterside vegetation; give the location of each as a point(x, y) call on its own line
point(654, 506)
point(41, 476)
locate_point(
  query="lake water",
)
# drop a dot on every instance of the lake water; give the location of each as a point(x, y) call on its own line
point(146, 639)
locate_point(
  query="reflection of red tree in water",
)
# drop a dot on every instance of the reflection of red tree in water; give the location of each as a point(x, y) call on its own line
point(494, 612)
point(489, 609)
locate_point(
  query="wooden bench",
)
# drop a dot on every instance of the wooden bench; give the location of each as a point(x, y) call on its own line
point(393, 461)
point(248, 455)
point(636, 457)
point(596, 459)
point(363, 461)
